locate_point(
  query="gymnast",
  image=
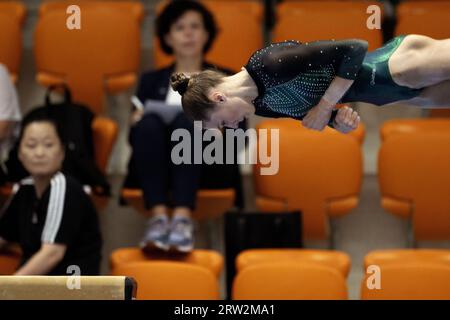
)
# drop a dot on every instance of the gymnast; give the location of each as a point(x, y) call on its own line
point(305, 81)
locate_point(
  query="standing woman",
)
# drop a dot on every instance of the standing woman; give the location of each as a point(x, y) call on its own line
point(186, 30)
point(49, 214)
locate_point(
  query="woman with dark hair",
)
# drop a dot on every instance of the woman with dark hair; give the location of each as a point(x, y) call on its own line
point(305, 81)
point(186, 30)
point(49, 214)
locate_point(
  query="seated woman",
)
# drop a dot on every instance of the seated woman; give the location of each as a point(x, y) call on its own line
point(49, 214)
point(185, 30)
point(306, 81)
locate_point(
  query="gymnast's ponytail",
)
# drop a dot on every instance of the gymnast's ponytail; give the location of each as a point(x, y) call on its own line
point(194, 92)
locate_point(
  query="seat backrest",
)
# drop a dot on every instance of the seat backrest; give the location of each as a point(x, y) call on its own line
point(12, 16)
point(240, 33)
point(440, 113)
point(106, 50)
point(407, 256)
point(104, 133)
point(9, 263)
point(163, 280)
point(423, 17)
point(409, 282)
point(319, 174)
point(393, 127)
point(56, 288)
point(208, 259)
point(133, 7)
point(325, 20)
point(289, 281)
point(414, 175)
point(330, 258)
point(15, 9)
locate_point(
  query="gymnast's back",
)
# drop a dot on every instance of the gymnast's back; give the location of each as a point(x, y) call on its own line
point(292, 76)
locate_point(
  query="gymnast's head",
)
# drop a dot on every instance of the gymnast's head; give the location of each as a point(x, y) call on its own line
point(210, 97)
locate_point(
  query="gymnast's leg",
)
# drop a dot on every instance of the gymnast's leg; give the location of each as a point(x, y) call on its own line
point(432, 97)
point(421, 61)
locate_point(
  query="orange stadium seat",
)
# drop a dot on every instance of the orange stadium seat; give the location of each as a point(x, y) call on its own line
point(240, 33)
point(103, 56)
point(407, 256)
point(428, 18)
point(134, 7)
point(401, 126)
point(440, 113)
point(9, 262)
point(14, 8)
point(210, 203)
point(410, 281)
point(208, 259)
point(289, 281)
point(168, 280)
point(319, 20)
point(104, 132)
point(414, 175)
point(12, 17)
point(334, 259)
point(321, 177)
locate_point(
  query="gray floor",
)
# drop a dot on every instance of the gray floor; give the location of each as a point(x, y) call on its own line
point(368, 227)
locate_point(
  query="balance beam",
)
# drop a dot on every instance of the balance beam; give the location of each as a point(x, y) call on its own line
point(67, 288)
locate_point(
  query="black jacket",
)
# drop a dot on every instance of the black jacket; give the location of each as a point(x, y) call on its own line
point(75, 122)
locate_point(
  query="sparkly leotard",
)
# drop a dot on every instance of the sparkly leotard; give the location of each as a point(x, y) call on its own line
point(374, 83)
point(292, 77)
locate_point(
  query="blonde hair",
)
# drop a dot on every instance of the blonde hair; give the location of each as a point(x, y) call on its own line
point(194, 92)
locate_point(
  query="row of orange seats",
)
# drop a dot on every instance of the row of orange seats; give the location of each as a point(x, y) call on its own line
point(413, 171)
point(323, 177)
point(288, 274)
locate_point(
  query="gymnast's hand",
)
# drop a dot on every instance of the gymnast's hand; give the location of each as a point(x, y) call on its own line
point(318, 117)
point(346, 120)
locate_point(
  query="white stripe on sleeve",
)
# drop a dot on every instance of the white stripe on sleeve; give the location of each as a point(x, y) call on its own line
point(55, 208)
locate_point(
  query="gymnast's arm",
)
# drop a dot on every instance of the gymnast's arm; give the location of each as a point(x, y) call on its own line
point(345, 55)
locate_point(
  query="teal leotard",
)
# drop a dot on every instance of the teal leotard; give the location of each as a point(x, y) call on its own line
point(374, 83)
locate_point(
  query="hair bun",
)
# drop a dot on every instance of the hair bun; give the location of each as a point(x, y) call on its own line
point(179, 82)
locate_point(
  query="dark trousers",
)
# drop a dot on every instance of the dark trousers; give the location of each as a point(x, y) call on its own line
point(152, 170)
